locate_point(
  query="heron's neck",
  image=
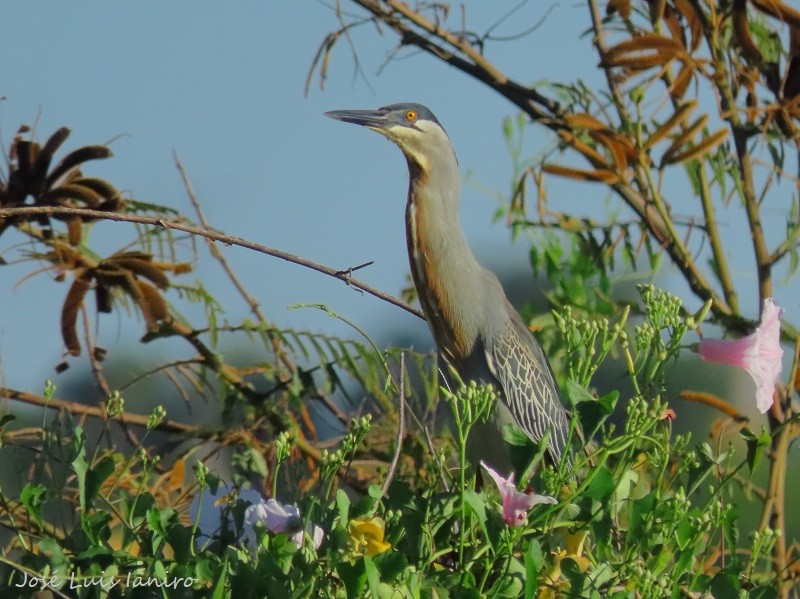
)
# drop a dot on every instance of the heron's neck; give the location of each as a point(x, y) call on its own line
point(445, 271)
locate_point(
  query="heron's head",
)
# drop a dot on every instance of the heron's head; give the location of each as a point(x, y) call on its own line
point(411, 126)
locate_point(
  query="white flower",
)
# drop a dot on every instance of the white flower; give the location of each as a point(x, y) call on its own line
point(277, 518)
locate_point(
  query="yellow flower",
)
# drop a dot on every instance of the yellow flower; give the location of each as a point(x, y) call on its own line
point(552, 579)
point(366, 536)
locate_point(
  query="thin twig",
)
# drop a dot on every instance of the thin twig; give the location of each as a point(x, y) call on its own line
point(99, 376)
point(223, 262)
point(221, 237)
point(401, 427)
point(167, 425)
point(599, 43)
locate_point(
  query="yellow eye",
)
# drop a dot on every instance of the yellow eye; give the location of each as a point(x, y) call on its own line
point(411, 116)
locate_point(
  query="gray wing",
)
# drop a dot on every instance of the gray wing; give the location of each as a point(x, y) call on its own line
point(529, 389)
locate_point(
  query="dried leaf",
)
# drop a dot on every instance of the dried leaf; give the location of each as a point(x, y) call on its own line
point(682, 81)
point(693, 19)
point(26, 152)
point(796, 382)
point(181, 268)
point(600, 175)
point(100, 186)
point(741, 33)
point(69, 311)
point(639, 62)
point(686, 136)
point(102, 296)
point(715, 402)
point(177, 475)
point(791, 80)
point(60, 196)
point(679, 116)
point(75, 158)
point(779, 10)
point(153, 305)
point(656, 10)
point(673, 22)
point(623, 7)
point(45, 157)
point(66, 258)
point(588, 151)
point(705, 146)
point(74, 230)
point(616, 148)
point(648, 42)
point(582, 120)
point(144, 268)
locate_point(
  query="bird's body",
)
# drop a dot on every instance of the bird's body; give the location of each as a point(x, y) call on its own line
point(475, 327)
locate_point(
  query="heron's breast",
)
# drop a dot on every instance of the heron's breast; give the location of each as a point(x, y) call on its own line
point(436, 282)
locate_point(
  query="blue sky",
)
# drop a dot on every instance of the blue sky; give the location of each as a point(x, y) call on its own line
point(222, 85)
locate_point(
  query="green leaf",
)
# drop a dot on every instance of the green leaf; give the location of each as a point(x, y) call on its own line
point(534, 560)
point(640, 508)
point(354, 577)
point(685, 559)
point(95, 527)
point(375, 492)
point(343, 507)
point(79, 465)
point(579, 582)
point(179, 538)
point(769, 592)
point(577, 393)
point(731, 531)
point(609, 401)
point(478, 507)
point(391, 564)
point(50, 547)
point(591, 411)
point(684, 533)
point(515, 436)
point(32, 497)
point(95, 477)
point(724, 586)
point(508, 128)
point(601, 574)
point(511, 584)
point(204, 569)
point(601, 486)
point(626, 482)
point(755, 446)
point(373, 576)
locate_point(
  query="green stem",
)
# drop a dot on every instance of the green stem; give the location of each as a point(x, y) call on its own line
point(774, 513)
point(463, 431)
point(716, 244)
point(763, 264)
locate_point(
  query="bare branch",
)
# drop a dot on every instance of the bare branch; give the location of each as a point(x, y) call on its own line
point(221, 237)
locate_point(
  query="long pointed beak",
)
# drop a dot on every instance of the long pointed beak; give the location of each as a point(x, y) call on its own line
point(366, 118)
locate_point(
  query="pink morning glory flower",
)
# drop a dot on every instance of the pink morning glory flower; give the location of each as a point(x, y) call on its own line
point(278, 518)
point(515, 504)
point(759, 353)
